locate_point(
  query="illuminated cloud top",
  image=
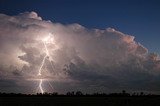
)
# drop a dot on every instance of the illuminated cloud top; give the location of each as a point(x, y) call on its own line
point(76, 58)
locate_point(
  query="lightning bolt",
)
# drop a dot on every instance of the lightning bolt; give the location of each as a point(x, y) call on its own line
point(40, 86)
point(40, 69)
point(45, 41)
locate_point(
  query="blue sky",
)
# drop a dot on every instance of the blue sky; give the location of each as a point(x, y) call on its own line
point(140, 18)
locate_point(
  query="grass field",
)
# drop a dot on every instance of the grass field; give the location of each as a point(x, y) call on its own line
point(79, 101)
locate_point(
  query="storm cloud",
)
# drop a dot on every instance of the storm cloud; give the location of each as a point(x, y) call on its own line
point(90, 60)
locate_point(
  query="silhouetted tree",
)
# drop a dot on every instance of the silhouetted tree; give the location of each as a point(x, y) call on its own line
point(69, 93)
point(141, 94)
point(79, 93)
point(123, 91)
point(54, 93)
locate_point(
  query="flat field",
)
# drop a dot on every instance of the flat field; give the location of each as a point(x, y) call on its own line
point(79, 101)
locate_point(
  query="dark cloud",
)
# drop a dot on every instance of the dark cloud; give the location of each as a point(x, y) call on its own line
point(80, 59)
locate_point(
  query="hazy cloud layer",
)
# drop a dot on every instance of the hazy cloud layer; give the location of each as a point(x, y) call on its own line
point(81, 59)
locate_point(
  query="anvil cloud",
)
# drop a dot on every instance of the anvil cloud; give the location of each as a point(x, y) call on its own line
point(90, 60)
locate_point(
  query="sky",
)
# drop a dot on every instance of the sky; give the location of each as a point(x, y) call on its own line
point(70, 45)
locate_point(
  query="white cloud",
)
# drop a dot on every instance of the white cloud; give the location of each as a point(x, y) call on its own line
point(92, 58)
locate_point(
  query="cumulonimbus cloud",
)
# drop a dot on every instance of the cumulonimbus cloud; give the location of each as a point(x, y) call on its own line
point(89, 59)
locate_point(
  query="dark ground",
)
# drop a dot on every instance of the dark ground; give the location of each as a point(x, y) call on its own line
point(80, 101)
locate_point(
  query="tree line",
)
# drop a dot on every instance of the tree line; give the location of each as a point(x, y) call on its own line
point(79, 93)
